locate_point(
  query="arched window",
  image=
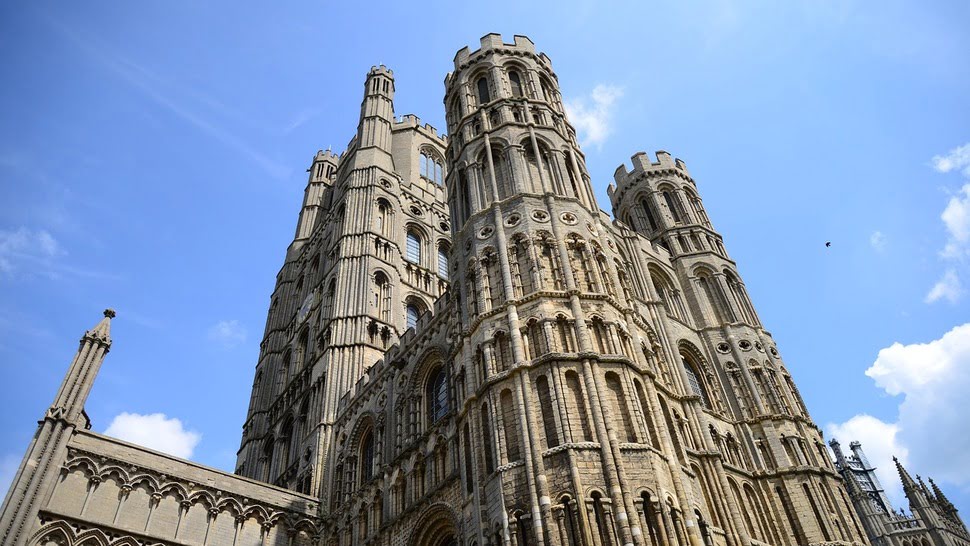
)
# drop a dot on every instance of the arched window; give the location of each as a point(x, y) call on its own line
point(367, 457)
point(715, 297)
point(328, 299)
point(652, 436)
point(431, 167)
point(694, 382)
point(443, 261)
point(487, 440)
point(599, 518)
point(672, 207)
point(382, 295)
point(510, 426)
point(647, 217)
point(383, 220)
point(548, 92)
point(578, 420)
point(621, 410)
point(516, 82)
point(283, 373)
point(286, 441)
point(572, 529)
point(412, 315)
point(413, 251)
point(267, 460)
point(697, 208)
point(436, 395)
point(483, 94)
point(546, 408)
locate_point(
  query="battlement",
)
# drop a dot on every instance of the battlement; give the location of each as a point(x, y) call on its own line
point(327, 155)
point(624, 178)
point(413, 121)
point(641, 164)
point(493, 42)
point(380, 71)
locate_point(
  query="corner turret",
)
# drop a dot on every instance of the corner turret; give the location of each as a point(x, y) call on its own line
point(377, 110)
point(38, 472)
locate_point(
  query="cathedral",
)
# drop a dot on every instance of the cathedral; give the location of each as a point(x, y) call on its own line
point(463, 349)
point(932, 521)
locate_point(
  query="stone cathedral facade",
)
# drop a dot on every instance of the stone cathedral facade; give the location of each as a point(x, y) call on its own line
point(463, 349)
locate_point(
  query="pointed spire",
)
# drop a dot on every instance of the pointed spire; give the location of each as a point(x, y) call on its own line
point(908, 482)
point(938, 493)
point(101, 333)
point(926, 490)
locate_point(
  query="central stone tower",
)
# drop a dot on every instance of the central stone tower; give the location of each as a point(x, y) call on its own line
point(463, 349)
point(539, 298)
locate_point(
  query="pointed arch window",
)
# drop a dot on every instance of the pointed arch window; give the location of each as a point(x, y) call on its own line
point(413, 250)
point(267, 460)
point(382, 295)
point(672, 207)
point(648, 218)
point(384, 216)
point(412, 315)
point(694, 382)
point(367, 457)
point(431, 167)
point(443, 261)
point(516, 83)
point(483, 93)
point(487, 440)
point(436, 394)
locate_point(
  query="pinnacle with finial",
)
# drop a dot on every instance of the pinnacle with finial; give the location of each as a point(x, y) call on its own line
point(938, 493)
point(102, 331)
point(904, 476)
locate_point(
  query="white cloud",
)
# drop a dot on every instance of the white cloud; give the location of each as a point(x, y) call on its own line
point(956, 218)
point(592, 116)
point(880, 443)
point(957, 158)
point(934, 379)
point(155, 431)
point(228, 333)
point(877, 241)
point(948, 287)
point(26, 245)
point(931, 434)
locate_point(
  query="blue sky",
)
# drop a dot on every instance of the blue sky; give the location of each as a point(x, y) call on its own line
point(152, 159)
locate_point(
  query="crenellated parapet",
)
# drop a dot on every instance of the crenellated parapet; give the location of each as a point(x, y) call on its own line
point(666, 166)
point(491, 44)
point(412, 121)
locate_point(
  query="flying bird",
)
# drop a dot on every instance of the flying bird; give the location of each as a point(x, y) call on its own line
point(828, 244)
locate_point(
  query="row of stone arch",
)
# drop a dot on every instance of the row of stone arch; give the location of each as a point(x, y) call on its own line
point(61, 533)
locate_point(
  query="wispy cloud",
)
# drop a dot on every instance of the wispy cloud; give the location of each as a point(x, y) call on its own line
point(593, 116)
point(171, 96)
point(956, 218)
point(27, 252)
point(300, 119)
point(877, 241)
point(155, 431)
point(25, 245)
point(956, 221)
point(957, 158)
point(228, 334)
point(948, 288)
